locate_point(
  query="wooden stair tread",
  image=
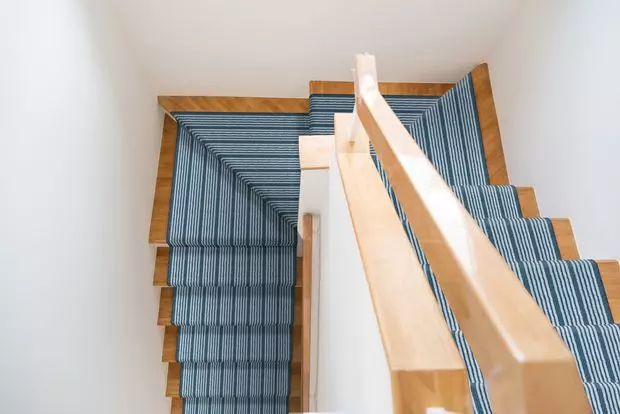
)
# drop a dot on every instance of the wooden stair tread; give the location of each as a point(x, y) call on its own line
point(489, 126)
point(160, 277)
point(233, 104)
point(171, 335)
point(562, 227)
point(565, 238)
point(173, 383)
point(386, 88)
point(527, 201)
point(610, 274)
point(166, 299)
point(163, 185)
point(294, 404)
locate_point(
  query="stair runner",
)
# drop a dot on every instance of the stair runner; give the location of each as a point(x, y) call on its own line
point(232, 241)
point(569, 292)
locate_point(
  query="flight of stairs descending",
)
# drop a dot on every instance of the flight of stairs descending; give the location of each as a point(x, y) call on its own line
point(229, 272)
point(226, 211)
point(570, 292)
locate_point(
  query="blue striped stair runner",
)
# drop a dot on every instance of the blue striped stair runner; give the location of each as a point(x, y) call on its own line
point(232, 250)
point(232, 259)
point(570, 293)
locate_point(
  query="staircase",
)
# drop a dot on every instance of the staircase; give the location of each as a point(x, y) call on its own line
point(229, 273)
point(568, 289)
point(226, 211)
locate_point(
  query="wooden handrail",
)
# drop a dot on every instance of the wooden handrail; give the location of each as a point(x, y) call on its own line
point(526, 366)
point(425, 366)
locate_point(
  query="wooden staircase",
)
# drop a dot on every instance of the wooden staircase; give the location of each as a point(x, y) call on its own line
point(609, 269)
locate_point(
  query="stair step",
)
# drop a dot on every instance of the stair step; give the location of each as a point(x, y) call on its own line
point(604, 396)
point(598, 358)
point(166, 304)
point(163, 186)
point(207, 406)
point(527, 202)
point(489, 201)
point(278, 339)
point(560, 288)
point(259, 305)
point(385, 88)
point(520, 240)
point(484, 201)
point(597, 350)
point(210, 205)
point(225, 266)
point(610, 273)
point(565, 239)
point(232, 380)
point(260, 150)
point(517, 240)
point(226, 104)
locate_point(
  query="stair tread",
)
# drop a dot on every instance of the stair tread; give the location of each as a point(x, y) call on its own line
point(294, 403)
point(243, 372)
point(226, 266)
point(610, 273)
point(207, 193)
point(160, 277)
point(171, 343)
point(167, 298)
point(266, 143)
point(558, 287)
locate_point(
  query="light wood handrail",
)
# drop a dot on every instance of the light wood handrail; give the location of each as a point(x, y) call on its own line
point(425, 366)
point(526, 366)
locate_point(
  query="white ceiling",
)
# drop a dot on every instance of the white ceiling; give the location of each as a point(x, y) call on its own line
point(274, 47)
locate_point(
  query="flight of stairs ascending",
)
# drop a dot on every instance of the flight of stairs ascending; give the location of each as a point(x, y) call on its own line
point(232, 260)
point(570, 293)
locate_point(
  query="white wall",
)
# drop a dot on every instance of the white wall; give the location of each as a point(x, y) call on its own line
point(557, 92)
point(274, 47)
point(79, 147)
point(352, 374)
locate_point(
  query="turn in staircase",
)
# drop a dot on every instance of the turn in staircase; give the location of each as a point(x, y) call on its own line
point(229, 270)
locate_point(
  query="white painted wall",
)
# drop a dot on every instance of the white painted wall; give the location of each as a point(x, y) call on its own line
point(351, 373)
point(79, 148)
point(274, 47)
point(556, 88)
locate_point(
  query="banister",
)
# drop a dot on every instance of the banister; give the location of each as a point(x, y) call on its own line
point(425, 367)
point(526, 366)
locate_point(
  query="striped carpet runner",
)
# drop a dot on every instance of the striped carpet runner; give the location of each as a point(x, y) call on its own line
point(232, 255)
point(569, 292)
point(232, 241)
